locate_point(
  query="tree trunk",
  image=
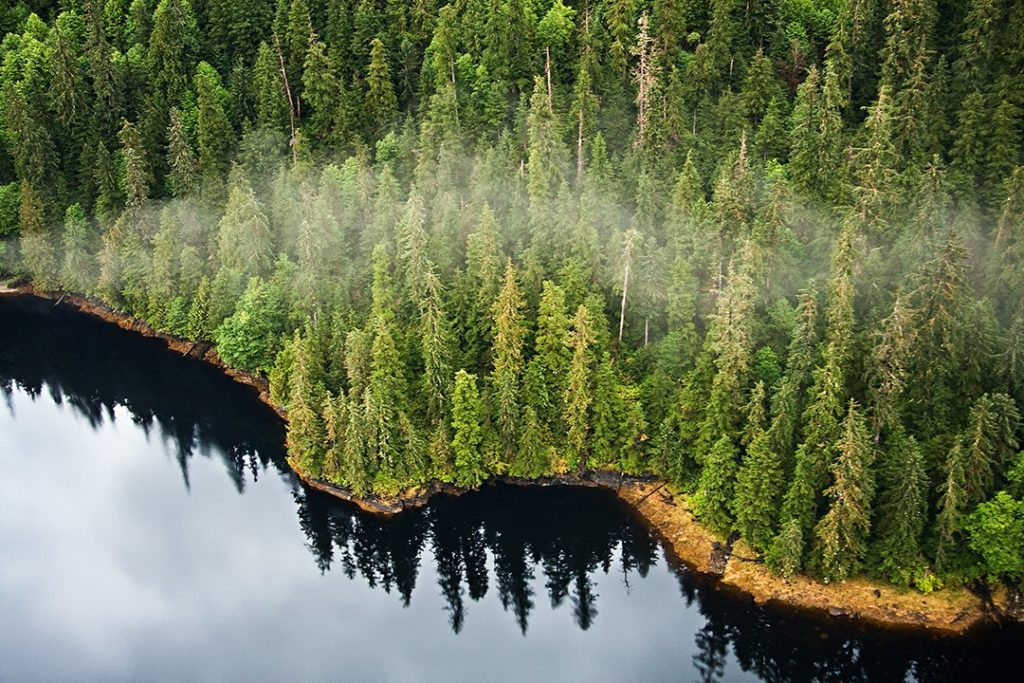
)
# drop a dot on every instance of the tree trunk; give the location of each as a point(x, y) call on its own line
point(622, 309)
point(579, 148)
point(291, 102)
point(547, 72)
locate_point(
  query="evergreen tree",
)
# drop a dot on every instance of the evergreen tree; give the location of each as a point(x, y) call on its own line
point(508, 360)
point(903, 509)
point(307, 437)
point(244, 240)
point(76, 273)
point(183, 176)
point(578, 395)
point(214, 131)
point(381, 103)
point(468, 429)
point(551, 347)
point(842, 533)
point(759, 481)
point(36, 241)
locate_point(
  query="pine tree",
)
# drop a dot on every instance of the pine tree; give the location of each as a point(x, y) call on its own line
point(891, 358)
point(824, 411)
point(244, 240)
point(805, 138)
point(468, 428)
point(381, 103)
point(759, 482)
point(951, 508)
point(137, 178)
point(988, 444)
point(384, 407)
point(784, 556)
point(507, 352)
point(297, 44)
point(36, 241)
point(903, 509)
point(198, 327)
point(307, 437)
point(271, 99)
point(842, 534)
point(214, 131)
point(550, 346)
point(76, 273)
point(183, 176)
point(171, 51)
point(576, 402)
point(324, 94)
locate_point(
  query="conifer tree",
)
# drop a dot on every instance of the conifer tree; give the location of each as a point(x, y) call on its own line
point(198, 326)
point(903, 509)
point(183, 167)
point(550, 346)
point(468, 428)
point(307, 437)
point(76, 272)
point(508, 360)
point(36, 241)
point(381, 103)
point(137, 176)
point(823, 414)
point(759, 481)
point(842, 534)
point(578, 395)
point(214, 131)
point(271, 99)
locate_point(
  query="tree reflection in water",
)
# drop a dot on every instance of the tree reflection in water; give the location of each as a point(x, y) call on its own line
point(500, 539)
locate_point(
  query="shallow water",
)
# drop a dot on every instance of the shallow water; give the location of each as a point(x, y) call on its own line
point(150, 530)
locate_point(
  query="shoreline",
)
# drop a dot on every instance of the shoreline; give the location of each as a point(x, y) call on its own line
point(734, 567)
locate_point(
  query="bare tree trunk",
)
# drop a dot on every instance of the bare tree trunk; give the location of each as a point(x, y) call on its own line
point(547, 72)
point(579, 148)
point(647, 330)
point(291, 102)
point(627, 257)
point(622, 310)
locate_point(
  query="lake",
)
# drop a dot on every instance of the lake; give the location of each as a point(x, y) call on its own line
point(150, 529)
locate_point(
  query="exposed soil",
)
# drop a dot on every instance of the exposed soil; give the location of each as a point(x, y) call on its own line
point(735, 565)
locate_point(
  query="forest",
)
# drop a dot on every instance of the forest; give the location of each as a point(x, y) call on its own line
point(770, 251)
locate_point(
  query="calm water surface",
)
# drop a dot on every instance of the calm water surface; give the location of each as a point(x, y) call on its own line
point(150, 530)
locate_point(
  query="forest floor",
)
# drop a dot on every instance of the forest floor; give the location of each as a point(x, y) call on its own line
point(735, 565)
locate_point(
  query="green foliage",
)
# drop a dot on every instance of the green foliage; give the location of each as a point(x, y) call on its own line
point(361, 201)
point(250, 337)
point(995, 530)
point(468, 429)
point(842, 534)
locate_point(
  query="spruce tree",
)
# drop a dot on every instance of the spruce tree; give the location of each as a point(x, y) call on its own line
point(380, 102)
point(508, 361)
point(213, 128)
point(37, 244)
point(468, 429)
point(842, 534)
point(77, 268)
point(903, 509)
point(576, 402)
point(759, 481)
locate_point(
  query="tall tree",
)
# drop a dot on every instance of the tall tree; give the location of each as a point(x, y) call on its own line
point(842, 534)
point(508, 359)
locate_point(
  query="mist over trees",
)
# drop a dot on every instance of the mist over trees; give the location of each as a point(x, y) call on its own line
point(772, 252)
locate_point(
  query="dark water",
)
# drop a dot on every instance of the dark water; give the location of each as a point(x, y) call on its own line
point(150, 530)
